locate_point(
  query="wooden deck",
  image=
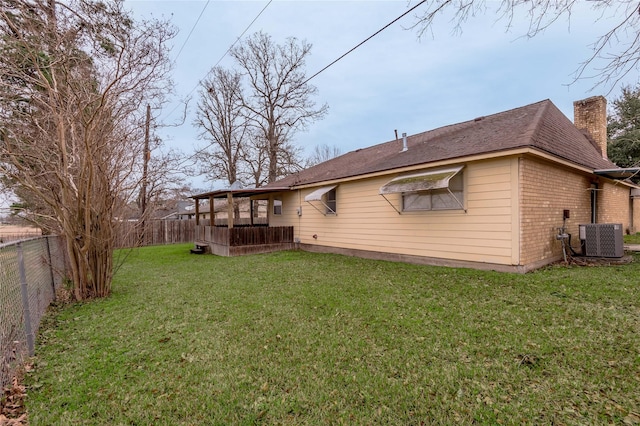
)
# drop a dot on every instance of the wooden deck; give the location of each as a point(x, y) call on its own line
point(241, 240)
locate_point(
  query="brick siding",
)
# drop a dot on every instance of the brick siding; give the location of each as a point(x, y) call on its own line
point(545, 191)
point(614, 205)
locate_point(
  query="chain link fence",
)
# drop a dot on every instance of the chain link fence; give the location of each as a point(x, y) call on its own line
point(30, 273)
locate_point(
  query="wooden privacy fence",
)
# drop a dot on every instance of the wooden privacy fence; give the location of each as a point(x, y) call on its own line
point(157, 232)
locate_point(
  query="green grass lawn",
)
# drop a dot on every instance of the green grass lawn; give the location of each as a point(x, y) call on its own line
point(296, 338)
point(632, 239)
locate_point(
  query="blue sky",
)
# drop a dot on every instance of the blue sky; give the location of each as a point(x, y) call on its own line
point(394, 81)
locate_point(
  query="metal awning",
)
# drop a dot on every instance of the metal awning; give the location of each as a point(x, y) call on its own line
point(317, 196)
point(620, 173)
point(436, 179)
point(426, 181)
point(318, 193)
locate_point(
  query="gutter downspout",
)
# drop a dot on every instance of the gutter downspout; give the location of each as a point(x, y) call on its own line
point(594, 202)
point(299, 218)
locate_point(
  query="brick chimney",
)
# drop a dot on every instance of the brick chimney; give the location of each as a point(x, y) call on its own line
point(591, 115)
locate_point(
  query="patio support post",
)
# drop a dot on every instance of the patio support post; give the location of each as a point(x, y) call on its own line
point(269, 208)
point(197, 212)
point(229, 210)
point(212, 212)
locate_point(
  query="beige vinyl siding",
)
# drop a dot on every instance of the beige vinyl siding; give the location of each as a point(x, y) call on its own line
point(365, 221)
point(289, 216)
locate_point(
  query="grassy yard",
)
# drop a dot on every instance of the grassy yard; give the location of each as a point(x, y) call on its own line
point(295, 338)
point(632, 239)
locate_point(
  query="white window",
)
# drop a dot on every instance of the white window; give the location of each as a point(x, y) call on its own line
point(450, 198)
point(330, 202)
point(441, 189)
point(326, 197)
point(277, 207)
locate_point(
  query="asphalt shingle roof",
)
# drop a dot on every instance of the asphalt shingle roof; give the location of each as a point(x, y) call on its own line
point(540, 126)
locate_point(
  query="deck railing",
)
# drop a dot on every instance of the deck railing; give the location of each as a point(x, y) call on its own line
point(244, 221)
point(259, 235)
point(244, 235)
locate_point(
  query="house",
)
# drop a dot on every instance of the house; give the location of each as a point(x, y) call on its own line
point(189, 213)
point(488, 193)
point(177, 210)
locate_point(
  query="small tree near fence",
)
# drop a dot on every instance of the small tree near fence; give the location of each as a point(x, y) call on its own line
point(75, 78)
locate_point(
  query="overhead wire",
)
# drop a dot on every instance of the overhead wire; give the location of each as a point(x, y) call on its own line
point(223, 55)
point(240, 36)
point(321, 70)
point(364, 41)
point(308, 79)
point(192, 29)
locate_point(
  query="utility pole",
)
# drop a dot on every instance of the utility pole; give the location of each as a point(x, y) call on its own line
point(145, 172)
point(51, 11)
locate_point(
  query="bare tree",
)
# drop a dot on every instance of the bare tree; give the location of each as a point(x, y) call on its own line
point(290, 159)
point(620, 58)
point(73, 78)
point(278, 99)
point(165, 179)
point(223, 124)
point(322, 153)
point(255, 157)
point(163, 171)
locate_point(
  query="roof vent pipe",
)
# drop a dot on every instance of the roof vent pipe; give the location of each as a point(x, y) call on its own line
point(404, 142)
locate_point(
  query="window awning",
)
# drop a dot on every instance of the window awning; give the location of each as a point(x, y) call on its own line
point(437, 179)
point(318, 193)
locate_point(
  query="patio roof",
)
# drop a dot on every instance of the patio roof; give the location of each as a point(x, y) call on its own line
point(244, 192)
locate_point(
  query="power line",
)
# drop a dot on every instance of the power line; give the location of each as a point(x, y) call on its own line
point(323, 69)
point(365, 40)
point(239, 37)
point(192, 29)
point(225, 53)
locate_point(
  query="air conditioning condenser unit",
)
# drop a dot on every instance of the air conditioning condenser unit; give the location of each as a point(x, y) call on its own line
point(602, 239)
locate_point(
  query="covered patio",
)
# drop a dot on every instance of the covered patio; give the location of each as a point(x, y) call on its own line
point(236, 235)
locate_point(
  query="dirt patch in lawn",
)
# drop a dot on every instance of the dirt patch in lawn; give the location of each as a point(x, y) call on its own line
point(596, 261)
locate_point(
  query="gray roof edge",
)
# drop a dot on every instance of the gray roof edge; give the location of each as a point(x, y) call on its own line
point(246, 192)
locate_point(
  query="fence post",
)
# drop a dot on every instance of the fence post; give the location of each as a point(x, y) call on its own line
point(53, 279)
point(25, 300)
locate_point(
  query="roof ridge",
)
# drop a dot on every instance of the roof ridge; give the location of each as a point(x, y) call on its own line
point(453, 127)
point(534, 127)
point(540, 125)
